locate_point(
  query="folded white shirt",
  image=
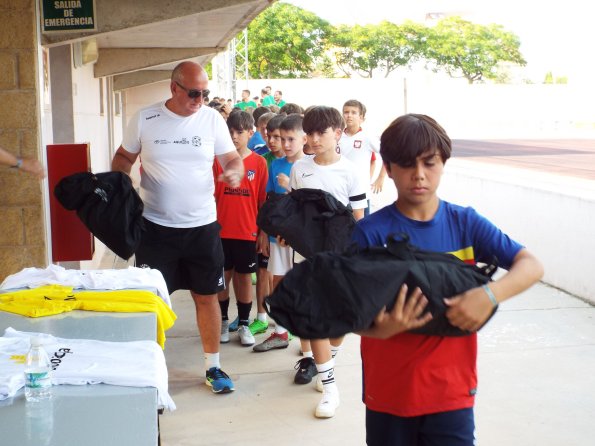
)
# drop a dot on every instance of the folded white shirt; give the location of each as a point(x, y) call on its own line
point(83, 361)
point(101, 279)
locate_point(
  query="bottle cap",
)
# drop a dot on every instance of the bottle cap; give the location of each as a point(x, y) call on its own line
point(36, 341)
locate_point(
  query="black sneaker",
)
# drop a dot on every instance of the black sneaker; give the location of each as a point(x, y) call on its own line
point(306, 370)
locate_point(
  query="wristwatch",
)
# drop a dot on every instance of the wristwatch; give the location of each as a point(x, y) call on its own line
point(18, 164)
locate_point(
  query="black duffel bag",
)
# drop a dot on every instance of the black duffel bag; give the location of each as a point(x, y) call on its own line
point(332, 294)
point(310, 221)
point(108, 206)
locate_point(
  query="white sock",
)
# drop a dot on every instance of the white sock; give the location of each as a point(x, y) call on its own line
point(279, 329)
point(326, 372)
point(335, 350)
point(212, 360)
point(262, 317)
point(308, 354)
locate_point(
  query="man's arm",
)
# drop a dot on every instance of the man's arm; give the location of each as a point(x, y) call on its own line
point(233, 168)
point(123, 160)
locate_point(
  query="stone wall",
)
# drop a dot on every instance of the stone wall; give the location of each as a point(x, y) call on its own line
point(22, 232)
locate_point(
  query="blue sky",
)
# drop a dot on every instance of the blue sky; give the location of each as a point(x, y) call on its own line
point(555, 35)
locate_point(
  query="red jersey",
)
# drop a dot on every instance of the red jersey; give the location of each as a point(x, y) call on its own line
point(439, 375)
point(237, 207)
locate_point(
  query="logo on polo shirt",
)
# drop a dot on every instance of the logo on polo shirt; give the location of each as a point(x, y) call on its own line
point(357, 144)
point(196, 142)
point(250, 175)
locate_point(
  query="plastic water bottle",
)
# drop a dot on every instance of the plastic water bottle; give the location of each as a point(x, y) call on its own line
point(39, 422)
point(38, 381)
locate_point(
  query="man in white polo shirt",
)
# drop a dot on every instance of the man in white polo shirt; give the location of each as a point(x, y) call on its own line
point(177, 141)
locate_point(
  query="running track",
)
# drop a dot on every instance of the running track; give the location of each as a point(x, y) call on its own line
point(567, 157)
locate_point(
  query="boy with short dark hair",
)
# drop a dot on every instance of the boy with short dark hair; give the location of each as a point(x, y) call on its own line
point(421, 389)
point(257, 140)
point(261, 127)
point(360, 147)
point(281, 257)
point(237, 209)
point(264, 279)
point(329, 171)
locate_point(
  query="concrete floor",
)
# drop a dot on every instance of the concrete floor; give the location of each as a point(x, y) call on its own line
point(536, 387)
point(536, 381)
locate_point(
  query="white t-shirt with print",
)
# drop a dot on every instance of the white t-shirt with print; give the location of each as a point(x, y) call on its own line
point(177, 154)
point(84, 361)
point(340, 179)
point(359, 148)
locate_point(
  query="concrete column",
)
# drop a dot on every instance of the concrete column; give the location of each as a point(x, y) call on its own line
point(61, 82)
point(22, 233)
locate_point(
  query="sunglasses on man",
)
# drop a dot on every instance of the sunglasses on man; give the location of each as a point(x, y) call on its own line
point(193, 94)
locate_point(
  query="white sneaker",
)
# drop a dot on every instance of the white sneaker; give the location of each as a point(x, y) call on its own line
point(328, 405)
point(224, 339)
point(246, 337)
point(319, 385)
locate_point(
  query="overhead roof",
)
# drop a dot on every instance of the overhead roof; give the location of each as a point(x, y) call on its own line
point(140, 42)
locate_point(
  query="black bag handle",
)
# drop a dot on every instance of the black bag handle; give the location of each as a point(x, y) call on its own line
point(397, 243)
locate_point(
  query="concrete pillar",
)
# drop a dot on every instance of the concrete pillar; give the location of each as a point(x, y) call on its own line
point(22, 231)
point(61, 82)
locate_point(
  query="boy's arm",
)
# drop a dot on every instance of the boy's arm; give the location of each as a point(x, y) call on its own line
point(263, 245)
point(471, 309)
point(379, 182)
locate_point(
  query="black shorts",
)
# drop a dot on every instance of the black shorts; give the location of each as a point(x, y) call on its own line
point(189, 258)
point(263, 261)
point(240, 255)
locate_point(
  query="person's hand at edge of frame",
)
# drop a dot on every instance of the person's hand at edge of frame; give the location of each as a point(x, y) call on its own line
point(33, 167)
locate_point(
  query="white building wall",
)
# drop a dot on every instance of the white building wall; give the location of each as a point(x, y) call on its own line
point(551, 215)
point(465, 111)
point(91, 126)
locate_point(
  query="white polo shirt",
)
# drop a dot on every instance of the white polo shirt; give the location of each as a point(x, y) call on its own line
point(177, 154)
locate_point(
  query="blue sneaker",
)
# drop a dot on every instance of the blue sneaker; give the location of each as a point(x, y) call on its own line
point(219, 381)
point(234, 325)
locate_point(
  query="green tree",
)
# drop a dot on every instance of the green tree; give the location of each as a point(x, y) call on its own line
point(286, 41)
point(469, 50)
point(385, 47)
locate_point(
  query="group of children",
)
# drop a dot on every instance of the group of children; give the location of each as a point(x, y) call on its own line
point(417, 389)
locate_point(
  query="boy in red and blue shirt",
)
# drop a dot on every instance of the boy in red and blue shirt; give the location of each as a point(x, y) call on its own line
point(418, 389)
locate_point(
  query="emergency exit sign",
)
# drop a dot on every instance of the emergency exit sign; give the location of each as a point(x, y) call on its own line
point(70, 15)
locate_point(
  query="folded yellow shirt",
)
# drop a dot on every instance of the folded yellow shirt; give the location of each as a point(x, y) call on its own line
point(55, 299)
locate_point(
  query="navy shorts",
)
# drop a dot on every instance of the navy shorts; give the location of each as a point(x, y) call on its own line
point(189, 258)
point(240, 255)
point(453, 428)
